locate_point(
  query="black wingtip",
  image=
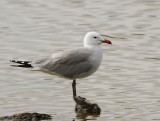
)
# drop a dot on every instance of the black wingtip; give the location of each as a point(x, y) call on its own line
point(25, 64)
point(21, 66)
point(12, 60)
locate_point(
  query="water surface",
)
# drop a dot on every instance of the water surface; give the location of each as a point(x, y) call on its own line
point(126, 86)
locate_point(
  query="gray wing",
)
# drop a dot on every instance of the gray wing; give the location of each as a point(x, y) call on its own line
point(69, 64)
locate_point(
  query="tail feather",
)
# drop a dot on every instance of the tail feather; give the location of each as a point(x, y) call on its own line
point(25, 64)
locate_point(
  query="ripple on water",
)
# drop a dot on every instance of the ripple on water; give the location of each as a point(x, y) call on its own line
point(127, 84)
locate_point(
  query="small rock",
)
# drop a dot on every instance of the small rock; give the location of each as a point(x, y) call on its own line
point(85, 107)
point(26, 117)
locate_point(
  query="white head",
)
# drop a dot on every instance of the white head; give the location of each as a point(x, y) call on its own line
point(94, 39)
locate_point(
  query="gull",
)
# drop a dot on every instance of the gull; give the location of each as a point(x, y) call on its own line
point(72, 63)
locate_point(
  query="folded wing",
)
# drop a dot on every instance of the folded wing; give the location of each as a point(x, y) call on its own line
point(69, 64)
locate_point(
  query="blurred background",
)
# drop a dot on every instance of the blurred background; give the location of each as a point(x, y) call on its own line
point(127, 84)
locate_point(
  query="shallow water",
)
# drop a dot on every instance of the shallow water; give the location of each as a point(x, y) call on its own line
point(126, 86)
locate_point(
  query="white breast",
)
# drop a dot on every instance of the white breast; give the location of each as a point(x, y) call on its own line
point(96, 58)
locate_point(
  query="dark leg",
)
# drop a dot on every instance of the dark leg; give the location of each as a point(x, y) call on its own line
point(74, 89)
point(83, 106)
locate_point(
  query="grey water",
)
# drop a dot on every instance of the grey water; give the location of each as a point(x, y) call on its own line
point(127, 84)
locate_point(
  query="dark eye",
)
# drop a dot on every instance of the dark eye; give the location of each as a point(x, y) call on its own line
point(94, 37)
